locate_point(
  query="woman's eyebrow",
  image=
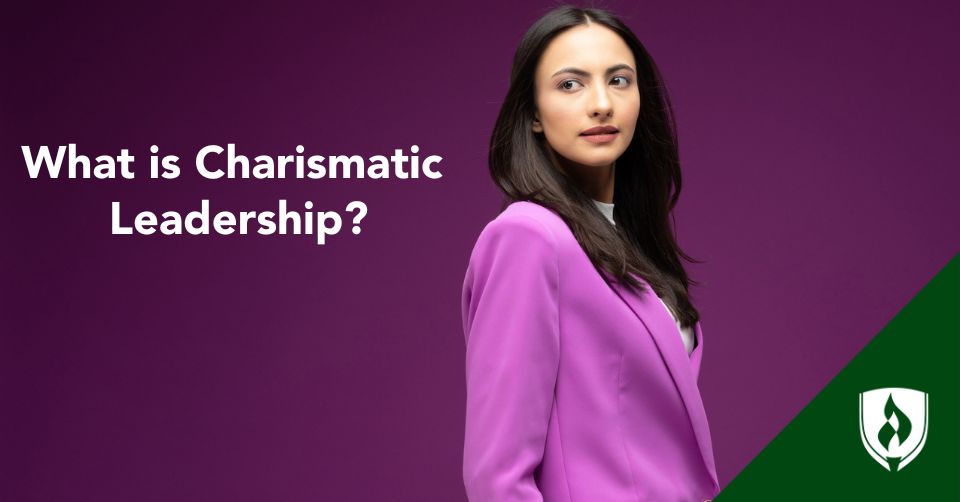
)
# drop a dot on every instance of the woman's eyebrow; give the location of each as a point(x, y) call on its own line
point(582, 73)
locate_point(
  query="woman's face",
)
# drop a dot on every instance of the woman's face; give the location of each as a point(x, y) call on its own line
point(586, 78)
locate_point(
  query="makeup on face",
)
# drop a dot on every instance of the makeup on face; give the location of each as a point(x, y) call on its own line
point(587, 99)
point(600, 134)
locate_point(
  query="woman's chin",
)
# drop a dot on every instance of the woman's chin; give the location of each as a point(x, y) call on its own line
point(598, 161)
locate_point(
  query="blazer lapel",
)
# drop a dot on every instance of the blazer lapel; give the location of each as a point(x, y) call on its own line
point(683, 368)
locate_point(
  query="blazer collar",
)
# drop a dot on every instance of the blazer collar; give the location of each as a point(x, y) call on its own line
point(683, 368)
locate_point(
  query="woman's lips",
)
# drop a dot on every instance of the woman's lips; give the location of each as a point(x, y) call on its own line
point(600, 138)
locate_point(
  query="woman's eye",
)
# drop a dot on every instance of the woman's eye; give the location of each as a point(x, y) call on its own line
point(569, 85)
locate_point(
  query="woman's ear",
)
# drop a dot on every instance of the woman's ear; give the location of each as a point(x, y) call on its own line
point(537, 126)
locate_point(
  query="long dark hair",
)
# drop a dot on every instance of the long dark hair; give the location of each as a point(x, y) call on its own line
point(646, 178)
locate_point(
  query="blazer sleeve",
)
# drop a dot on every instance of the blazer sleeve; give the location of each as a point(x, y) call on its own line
point(511, 325)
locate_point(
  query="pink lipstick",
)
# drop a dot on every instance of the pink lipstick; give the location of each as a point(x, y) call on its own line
point(600, 134)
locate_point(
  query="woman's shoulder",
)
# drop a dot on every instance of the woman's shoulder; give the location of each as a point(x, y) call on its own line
point(523, 217)
point(521, 229)
point(519, 242)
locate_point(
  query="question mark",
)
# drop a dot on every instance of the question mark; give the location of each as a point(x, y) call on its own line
point(362, 212)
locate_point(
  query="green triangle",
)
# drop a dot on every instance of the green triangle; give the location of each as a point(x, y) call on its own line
point(820, 454)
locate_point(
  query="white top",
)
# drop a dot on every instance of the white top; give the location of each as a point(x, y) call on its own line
point(686, 334)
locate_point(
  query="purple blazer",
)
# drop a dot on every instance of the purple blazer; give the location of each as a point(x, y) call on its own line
point(577, 389)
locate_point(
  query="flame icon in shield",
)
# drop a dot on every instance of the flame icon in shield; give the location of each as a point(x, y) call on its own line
point(893, 425)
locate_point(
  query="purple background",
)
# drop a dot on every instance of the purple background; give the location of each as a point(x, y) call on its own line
point(820, 187)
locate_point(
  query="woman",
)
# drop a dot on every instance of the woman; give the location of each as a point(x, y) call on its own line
point(582, 346)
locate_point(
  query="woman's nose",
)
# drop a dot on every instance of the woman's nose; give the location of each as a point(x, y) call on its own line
point(600, 104)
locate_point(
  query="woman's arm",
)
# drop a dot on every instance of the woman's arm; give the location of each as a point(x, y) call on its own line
point(511, 325)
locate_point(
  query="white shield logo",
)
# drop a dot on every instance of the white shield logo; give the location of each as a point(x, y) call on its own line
point(893, 425)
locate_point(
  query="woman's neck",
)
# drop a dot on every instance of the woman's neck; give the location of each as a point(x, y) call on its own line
point(596, 182)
